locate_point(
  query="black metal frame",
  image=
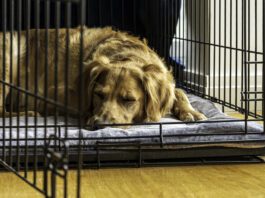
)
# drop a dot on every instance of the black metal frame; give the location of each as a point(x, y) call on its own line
point(56, 156)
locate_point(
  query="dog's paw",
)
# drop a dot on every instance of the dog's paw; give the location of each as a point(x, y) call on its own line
point(30, 114)
point(191, 116)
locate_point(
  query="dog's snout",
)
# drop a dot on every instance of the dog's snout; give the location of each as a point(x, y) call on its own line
point(100, 123)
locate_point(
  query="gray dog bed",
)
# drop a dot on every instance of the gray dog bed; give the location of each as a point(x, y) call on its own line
point(179, 134)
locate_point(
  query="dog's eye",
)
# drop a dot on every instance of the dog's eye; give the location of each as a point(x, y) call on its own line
point(100, 95)
point(129, 100)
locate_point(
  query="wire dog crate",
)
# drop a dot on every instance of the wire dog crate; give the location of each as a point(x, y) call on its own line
point(215, 48)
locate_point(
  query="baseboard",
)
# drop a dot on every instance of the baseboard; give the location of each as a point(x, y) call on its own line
point(225, 88)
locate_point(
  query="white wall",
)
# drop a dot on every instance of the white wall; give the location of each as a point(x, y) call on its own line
point(220, 23)
point(192, 26)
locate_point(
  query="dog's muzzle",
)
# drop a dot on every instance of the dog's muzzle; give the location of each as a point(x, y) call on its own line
point(98, 123)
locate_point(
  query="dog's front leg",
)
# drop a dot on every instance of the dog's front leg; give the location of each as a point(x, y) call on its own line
point(47, 109)
point(4, 75)
point(4, 113)
point(183, 110)
point(5, 69)
point(2, 109)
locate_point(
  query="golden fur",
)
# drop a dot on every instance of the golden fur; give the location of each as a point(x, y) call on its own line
point(124, 81)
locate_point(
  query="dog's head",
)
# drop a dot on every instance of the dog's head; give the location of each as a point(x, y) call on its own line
point(118, 93)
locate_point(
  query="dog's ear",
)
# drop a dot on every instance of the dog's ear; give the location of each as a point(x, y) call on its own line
point(91, 71)
point(159, 91)
point(87, 81)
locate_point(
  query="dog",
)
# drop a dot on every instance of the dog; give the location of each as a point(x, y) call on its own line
point(121, 79)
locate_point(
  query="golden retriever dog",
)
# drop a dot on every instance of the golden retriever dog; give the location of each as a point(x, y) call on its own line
point(124, 81)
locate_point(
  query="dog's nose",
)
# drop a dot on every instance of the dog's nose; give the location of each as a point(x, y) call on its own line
point(100, 123)
point(96, 127)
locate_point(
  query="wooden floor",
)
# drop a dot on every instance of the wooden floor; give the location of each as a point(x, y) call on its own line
point(216, 181)
point(182, 181)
